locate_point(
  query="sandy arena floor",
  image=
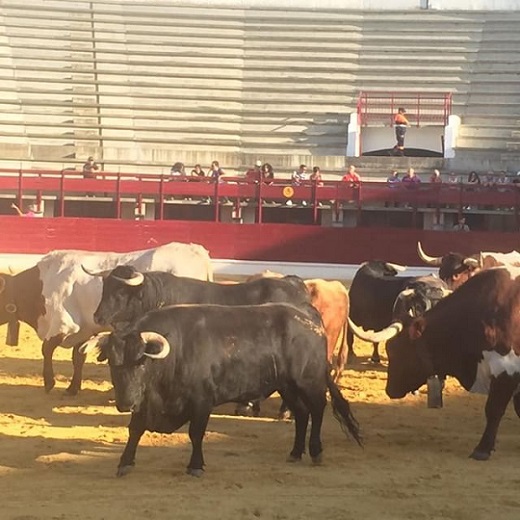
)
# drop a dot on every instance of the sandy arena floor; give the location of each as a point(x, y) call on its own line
point(58, 456)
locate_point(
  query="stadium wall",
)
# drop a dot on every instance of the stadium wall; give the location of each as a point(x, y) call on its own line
point(396, 5)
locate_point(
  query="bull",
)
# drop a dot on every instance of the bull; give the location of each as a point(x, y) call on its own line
point(58, 299)
point(473, 335)
point(378, 298)
point(179, 362)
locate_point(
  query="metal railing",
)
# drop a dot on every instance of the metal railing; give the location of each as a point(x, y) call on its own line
point(379, 108)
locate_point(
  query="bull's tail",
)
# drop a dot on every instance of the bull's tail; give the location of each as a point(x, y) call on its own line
point(341, 411)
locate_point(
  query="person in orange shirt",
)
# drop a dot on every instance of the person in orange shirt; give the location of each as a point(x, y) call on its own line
point(400, 124)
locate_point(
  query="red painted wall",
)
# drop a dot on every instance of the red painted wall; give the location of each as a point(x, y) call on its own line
point(271, 242)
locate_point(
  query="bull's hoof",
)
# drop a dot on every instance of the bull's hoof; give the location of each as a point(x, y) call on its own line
point(49, 385)
point(247, 410)
point(317, 460)
point(285, 415)
point(72, 390)
point(480, 455)
point(124, 470)
point(352, 358)
point(375, 360)
point(194, 472)
point(293, 458)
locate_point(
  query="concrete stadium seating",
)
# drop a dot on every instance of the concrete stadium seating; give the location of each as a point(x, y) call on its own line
point(143, 85)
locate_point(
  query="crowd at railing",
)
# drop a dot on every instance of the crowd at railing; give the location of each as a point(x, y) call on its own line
point(496, 192)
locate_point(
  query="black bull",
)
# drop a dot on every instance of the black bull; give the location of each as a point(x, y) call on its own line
point(128, 294)
point(210, 355)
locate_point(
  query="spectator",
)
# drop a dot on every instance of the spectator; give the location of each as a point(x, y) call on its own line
point(461, 225)
point(435, 177)
point(454, 179)
point(352, 177)
point(502, 181)
point(267, 173)
point(489, 181)
point(215, 171)
point(400, 124)
point(254, 174)
point(393, 180)
point(177, 170)
point(90, 168)
point(32, 211)
point(299, 175)
point(316, 176)
point(473, 178)
point(197, 171)
point(411, 180)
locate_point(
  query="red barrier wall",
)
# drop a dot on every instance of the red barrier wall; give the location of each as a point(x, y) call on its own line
point(270, 242)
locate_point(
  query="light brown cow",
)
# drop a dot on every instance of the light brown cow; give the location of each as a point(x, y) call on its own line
point(331, 299)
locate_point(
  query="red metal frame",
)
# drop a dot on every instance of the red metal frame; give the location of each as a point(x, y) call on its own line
point(376, 108)
point(36, 185)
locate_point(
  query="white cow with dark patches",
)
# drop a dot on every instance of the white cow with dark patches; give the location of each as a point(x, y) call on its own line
point(57, 298)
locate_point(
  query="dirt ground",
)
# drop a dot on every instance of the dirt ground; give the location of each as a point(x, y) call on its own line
point(58, 456)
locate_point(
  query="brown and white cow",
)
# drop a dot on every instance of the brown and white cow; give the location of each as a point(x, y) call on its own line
point(473, 335)
point(57, 298)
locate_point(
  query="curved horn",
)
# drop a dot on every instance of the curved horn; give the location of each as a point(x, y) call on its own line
point(137, 279)
point(397, 267)
point(472, 262)
point(445, 292)
point(149, 337)
point(93, 342)
point(376, 337)
point(103, 274)
point(430, 260)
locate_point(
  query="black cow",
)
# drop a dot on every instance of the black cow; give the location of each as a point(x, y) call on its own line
point(467, 335)
point(377, 294)
point(207, 355)
point(128, 293)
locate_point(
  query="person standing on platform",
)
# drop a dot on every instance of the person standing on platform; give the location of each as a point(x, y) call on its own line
point(400, 124)
point(90, 168)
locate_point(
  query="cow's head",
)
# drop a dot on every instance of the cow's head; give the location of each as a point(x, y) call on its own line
point(454, 268)
point(128, 355)
point(419, 297)
point(121, 297)
point(382, 268)
point(409, 364)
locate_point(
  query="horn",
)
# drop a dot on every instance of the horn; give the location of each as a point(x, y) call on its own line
point(397, 267)
point(93, 342)
point(149, 337)
point(376, 337)
point(103, 274)
point(136, 280)
point(472, 262)
point(445, 292)
point(406, 292)
point(430, 260)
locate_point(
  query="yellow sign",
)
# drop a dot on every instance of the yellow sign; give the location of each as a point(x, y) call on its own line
point(288, 192)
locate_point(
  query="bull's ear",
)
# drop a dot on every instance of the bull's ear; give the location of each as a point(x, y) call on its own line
point(417, 328)
point(2, 284)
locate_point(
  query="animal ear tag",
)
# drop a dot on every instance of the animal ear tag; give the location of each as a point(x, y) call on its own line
point(13, 331)
point(434, 386)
